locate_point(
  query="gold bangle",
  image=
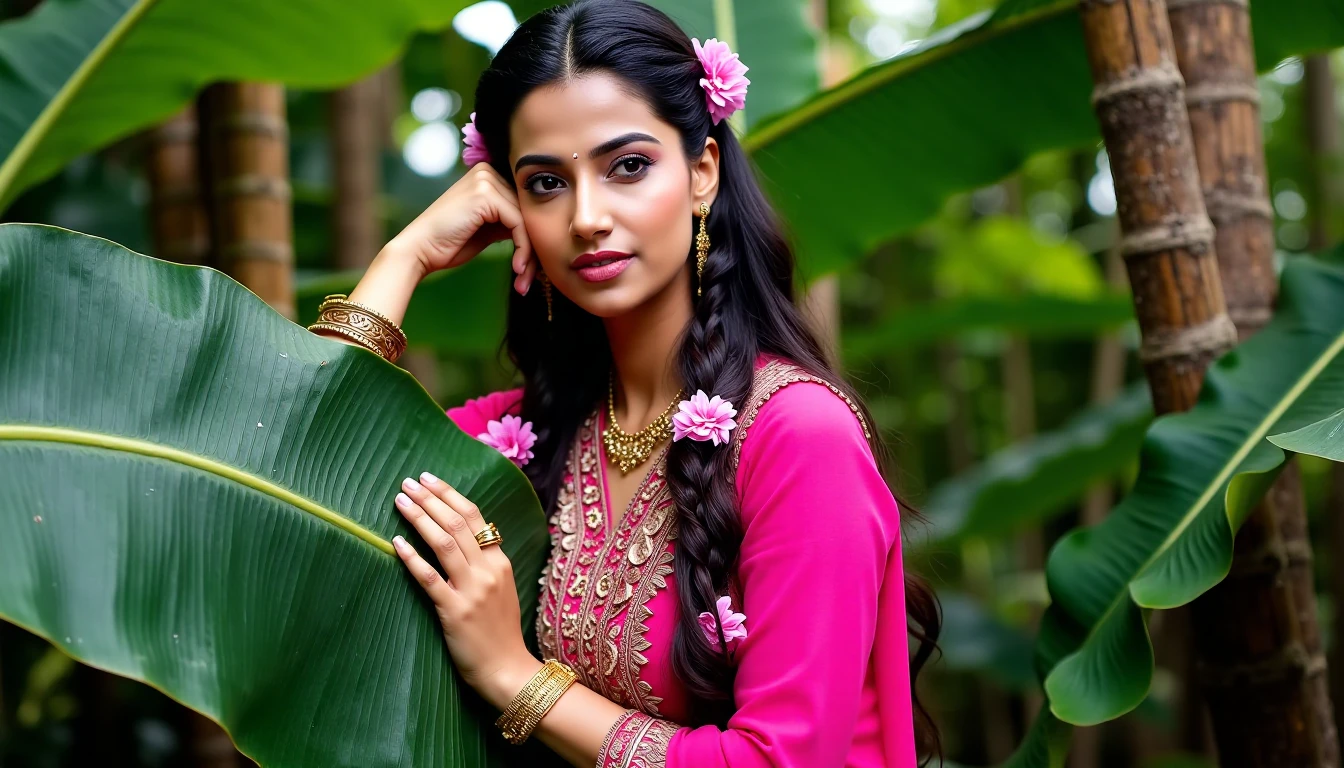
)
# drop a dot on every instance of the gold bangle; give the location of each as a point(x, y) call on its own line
point(526, 710)
point(341, 298)
point(385, 337)
point(347, 332)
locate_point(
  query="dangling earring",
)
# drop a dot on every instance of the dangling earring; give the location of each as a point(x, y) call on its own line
point(546, 291)
point(701, 248)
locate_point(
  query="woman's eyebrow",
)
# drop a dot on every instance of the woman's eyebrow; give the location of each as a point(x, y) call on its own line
point(594, 153)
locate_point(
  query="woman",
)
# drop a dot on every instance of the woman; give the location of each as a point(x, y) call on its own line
point(725, 584)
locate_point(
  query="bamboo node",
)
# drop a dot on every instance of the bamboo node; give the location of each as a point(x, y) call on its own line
point(1192, 232)
point(1292, 661)
point(258, 250)
point(254, 185)
point(1210, 337)
point(1205, 94)
point(1176, 5)
point(1151, 79)
point(1226, 205)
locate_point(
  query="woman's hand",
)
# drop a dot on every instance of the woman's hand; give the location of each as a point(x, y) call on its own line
point(478, 604)
point(479, 209)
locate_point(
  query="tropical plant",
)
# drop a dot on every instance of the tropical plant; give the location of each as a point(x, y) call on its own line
point(1200, 474)
point(197, 493)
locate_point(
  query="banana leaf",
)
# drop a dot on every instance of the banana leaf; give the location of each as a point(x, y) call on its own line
point(1040, 316)
point(1022, 485)
point(878, 154)
point(197, 493)
point(76, 75)
point(1200, 474)
point(773, 37)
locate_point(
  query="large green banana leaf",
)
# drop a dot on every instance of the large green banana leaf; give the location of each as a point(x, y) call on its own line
point(197, 493)
point(875, 156)
point(76, 75)
point(1201, 472)
point(1040, 316)
point(773, 37)
point(1020, 486)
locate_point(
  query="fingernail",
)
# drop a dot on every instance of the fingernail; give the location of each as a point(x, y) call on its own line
point(410, 484)
point(403, 500)
point(425, 477)
point(398, 542)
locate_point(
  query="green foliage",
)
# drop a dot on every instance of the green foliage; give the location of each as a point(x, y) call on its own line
point(1022, 485)
point(78, 75)
point(879, 154)
point(1201, 472)
point(197, 493)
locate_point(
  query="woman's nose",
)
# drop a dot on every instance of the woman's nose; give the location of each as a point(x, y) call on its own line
point(591, 215)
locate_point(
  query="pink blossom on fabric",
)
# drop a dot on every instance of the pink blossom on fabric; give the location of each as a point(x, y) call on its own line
point(510, 437)
point(725, 87)
point(702, 418)
point(475, 151)
point(734, 627)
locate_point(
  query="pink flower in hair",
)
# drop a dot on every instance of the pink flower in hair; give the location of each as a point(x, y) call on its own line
point(511, 437)
point(475, 151)
point(701, 418)
point(725, 87)
point(733, 626)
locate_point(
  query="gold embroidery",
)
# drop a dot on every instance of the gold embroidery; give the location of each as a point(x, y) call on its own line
point(772, 377)
point(601, 579)
point(636, 740)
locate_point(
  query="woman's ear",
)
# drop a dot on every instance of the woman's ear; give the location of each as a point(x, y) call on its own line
point(705, 175)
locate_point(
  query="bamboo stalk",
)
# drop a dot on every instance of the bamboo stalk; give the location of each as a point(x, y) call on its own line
point(1263, 667)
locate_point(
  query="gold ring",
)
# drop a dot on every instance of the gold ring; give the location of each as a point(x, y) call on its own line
point(488, 535)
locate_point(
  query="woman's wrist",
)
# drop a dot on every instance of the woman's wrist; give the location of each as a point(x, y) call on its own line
point(500, 687)
point(389, 281)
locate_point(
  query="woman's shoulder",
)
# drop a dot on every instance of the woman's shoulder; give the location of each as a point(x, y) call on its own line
point(792, 408)
point(475, 414)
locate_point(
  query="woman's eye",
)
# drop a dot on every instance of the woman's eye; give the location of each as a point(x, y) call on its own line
point(632, 166)
point(548, 184)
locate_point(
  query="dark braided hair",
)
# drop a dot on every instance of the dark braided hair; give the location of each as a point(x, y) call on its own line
point(746, 308)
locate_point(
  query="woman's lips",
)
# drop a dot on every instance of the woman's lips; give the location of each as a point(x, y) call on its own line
point(596, 273)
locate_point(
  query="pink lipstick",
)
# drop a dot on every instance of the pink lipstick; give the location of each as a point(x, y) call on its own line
point(602, 265)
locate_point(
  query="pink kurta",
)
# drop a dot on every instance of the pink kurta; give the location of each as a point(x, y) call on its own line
point(823, 674)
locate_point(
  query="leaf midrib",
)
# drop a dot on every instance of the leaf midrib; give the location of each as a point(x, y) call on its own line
point(140, 447)
point(1252, 439)
point(18, 157)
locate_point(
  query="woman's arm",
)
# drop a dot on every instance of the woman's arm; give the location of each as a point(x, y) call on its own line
point(820, 526)
point(387, 285)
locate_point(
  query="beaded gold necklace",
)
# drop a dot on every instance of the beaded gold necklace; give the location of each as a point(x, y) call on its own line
point(630, 449)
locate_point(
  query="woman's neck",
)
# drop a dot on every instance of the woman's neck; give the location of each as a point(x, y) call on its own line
point(644, 346)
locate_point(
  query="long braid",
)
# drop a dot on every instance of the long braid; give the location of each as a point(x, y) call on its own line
point(710, 531)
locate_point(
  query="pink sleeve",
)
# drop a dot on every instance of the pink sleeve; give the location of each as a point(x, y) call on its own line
point(472, 416)
point(820, 525)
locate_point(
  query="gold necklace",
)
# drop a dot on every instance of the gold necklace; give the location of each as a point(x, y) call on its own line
point(630, 449)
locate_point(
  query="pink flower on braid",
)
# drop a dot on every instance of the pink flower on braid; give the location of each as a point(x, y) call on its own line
point(725, 87)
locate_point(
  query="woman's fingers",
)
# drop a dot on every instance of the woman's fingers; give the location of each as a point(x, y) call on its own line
point(424, 573)
point(448, 518)
point(444, 544)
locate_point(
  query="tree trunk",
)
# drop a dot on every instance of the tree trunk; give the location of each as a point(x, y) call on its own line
point(1262, 666)
point(181, 230)
point(252, 222)
point(356, 122)
point(1323, 150)
point(1166, 235)
point(177, 205)
point(1167, 238)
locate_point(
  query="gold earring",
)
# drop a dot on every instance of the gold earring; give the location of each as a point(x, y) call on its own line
point(546, 291)
point(701, 248)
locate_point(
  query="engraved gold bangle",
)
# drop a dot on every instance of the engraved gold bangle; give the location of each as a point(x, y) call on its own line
point(362, 324)
point(347, 332)
point(525, 712)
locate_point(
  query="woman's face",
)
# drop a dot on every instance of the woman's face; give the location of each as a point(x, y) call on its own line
point(630, 191)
